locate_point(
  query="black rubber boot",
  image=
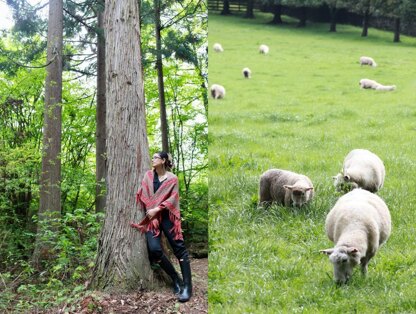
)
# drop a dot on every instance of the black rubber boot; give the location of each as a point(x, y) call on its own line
point(167, 266)
point(186, 292)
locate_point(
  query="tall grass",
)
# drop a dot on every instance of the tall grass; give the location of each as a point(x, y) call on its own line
point(303, 110)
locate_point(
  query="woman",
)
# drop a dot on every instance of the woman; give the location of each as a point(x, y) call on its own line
point(158, 195)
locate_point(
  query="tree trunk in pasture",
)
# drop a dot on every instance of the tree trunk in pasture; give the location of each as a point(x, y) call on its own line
point(249, 12)
point(366, 19)
point(100, 156)
point(160, 83)
point(226, 8)
point(277, 14)
point(50, 178)
point(122, 262)
point(333, 12)
point(396, 30)
point(303, 16)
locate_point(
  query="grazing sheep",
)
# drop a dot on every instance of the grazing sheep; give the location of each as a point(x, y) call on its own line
point(246, 72)
point(217, 91)
point(367, 83)
point(367, 61)
point(363, 169)
point(264, 49)
point(285, 188)
point(358, 224)
point(218, 47)
point(386, 87)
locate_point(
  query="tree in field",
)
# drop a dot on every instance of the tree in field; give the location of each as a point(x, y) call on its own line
point(302, 6)
point(122, 262)
point(275, 7)
point(226, 8)
point(50, 180)
point(366, 8)
point(334, 6)
point(249, 12)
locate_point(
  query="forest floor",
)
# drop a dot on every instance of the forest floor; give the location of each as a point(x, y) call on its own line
point(150, 302)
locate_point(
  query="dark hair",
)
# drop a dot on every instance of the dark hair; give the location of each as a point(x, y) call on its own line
point(168, 159)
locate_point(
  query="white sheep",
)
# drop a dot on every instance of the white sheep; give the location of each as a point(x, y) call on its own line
point(264, 49)
point(363, 169)
point(218, 48)
point(285, 188)
point(367, 61)
point(217, 91)
point(358, 224)
point(367, 83)
point(247, 72)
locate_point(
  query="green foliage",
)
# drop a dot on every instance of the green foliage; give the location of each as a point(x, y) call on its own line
point(303, 110)
point(184, 50)
point(74, 248)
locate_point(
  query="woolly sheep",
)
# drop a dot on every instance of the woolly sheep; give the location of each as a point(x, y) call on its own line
point(363, 169)
point(358, 224)
point(285, 188)
point(367, 61)
point(264, 49)
point(217, 91)
point(218, 47)
point(246, 72)
point(367, 83)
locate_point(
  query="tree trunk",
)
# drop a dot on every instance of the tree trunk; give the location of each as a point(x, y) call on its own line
point(50, 178)
point(250, 6)
point(122, 261)
point(277, 14)
point(396, 30)
point(100, 154)
point(226, 8)
point(366, 18)
point(160, 83)
point(303, 16)
point(333, 12)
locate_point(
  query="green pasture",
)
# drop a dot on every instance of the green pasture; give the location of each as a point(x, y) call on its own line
point(303, 111)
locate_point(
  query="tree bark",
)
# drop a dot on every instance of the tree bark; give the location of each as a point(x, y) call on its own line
point(396, 30)
point(50, 178)
point(122, 262)
point(100, 156)
point(226, 8)
point(333, 12)
point(366, 18)
point(250, 6)
point(277, 14)
point(160, 83)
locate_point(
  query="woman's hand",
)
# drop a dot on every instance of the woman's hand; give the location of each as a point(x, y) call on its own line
point(151, 213)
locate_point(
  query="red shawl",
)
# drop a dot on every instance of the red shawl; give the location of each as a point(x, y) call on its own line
point(166, 198)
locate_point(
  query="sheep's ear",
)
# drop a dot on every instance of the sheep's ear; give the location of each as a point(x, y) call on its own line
point(308, 189)
point(352, 251)
point(327, 251)
point(347, 177)
point(288, 187)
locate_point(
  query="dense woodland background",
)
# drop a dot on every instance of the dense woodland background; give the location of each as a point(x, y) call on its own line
point(45, 259)
point(394, 15)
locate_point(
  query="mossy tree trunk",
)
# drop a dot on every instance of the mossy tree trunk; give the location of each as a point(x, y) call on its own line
point(122, 262)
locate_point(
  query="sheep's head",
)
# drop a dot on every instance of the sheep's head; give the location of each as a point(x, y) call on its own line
point(344, 259)
point(343, 183)
point(298, 194)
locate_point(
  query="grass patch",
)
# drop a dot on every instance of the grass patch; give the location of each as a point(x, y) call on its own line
point(303, 110)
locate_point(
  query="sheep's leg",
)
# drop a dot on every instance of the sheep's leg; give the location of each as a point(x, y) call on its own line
point(364, 265)
point(287, 198)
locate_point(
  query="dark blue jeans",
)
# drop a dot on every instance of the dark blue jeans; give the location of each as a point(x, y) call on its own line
point(153, 243)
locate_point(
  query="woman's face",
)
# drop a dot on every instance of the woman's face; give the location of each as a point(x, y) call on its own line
point(157, 161)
